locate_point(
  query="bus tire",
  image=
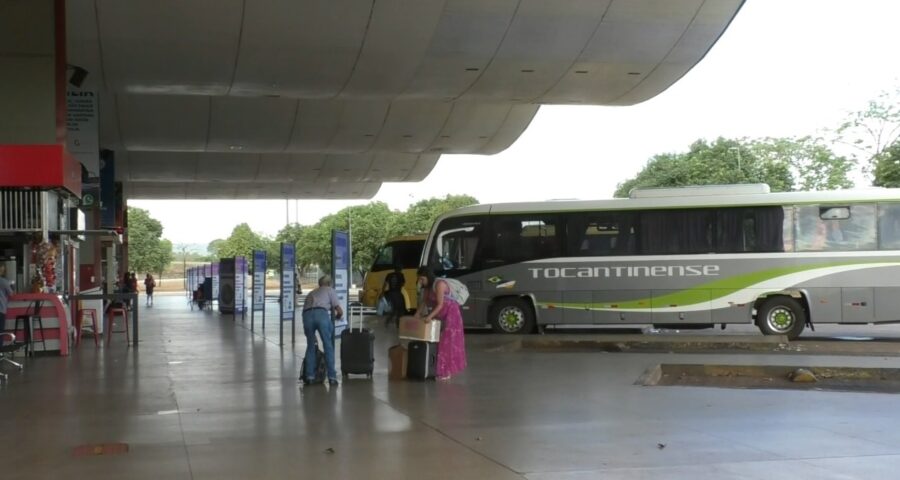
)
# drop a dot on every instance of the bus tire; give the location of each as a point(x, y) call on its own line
point(512, 316)
point(781, 315)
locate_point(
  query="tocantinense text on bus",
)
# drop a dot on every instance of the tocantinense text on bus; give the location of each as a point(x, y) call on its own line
point(626, 271)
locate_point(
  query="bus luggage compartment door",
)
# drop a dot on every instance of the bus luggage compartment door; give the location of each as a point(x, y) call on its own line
point(622, 306)
point(681, 306)
point(857, 305)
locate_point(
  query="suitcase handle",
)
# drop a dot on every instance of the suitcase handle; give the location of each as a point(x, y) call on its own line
point(350, 317)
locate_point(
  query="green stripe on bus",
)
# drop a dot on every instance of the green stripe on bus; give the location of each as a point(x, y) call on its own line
point(701, 293)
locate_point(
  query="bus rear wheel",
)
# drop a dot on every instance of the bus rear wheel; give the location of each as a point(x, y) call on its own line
point(781, 316)
point(513, 316)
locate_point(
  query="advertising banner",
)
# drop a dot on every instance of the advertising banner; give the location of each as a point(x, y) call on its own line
point(287, 282)
point(108, 204)
point(226, 285)
point(240, 290)
point(259, 280)
point(340, 267)
point(214, 271)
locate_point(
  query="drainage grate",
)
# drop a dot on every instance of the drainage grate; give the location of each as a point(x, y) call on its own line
point(90, 450)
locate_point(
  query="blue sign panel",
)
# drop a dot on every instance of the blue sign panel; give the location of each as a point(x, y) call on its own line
point(259, 280)
point(240, 290)
point(340, 263)
point(107, 189)
point(287, 281)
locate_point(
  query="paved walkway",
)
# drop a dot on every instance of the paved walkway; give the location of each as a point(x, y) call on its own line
point(203, 398)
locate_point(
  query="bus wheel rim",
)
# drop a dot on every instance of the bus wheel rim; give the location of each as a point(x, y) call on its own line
point(511, 319)
point(780, 319)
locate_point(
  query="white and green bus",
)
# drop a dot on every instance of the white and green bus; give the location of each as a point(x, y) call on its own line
point(680, 258)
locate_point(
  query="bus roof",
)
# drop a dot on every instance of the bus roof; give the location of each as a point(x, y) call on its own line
point(407, 238)
point(687, 201)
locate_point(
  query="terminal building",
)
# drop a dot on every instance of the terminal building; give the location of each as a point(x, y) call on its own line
point(109, 101)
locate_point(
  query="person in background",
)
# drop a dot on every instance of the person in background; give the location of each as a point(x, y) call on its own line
point(125, 287)
point(149, 285)
point(5, 293)
point(317, 309)
point(133, 283)
point(393, 292)
point(451, 356)
point(198, 295)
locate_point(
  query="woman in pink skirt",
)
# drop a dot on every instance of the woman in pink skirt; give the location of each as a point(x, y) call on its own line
point(451, 357)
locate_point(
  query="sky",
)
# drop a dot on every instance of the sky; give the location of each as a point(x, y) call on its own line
point(783, 68)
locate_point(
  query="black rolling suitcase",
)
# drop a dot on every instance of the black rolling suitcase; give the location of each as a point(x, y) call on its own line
point(357, 350)
point(422, 360)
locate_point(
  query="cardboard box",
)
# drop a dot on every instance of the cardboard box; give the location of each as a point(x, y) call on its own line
point(397, 355)
point(414, 328)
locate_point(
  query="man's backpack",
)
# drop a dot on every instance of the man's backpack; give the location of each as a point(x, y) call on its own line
point(321, 368)
point(458, 292)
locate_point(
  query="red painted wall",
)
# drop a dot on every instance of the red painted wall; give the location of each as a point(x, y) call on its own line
point(39, 166)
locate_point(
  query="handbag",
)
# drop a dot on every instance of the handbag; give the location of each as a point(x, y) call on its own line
point(383, 306)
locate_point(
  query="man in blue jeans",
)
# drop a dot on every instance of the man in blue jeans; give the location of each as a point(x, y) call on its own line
point(317, 318)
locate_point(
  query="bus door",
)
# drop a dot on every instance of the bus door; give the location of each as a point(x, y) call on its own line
point(454, 253)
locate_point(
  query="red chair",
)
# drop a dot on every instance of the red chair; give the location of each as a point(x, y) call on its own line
point(79, 323)
point(111, 315)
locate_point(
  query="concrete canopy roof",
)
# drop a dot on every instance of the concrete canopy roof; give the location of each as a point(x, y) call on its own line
point(327, 99)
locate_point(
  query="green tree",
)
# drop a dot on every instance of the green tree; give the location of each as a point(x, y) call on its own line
point(419, 217)
point(147, 251)
point(724, 161)
point(314, 247)
point(785, 164)
point(242, 242)
point(887, 167)
point(213, 248)
point(813, 165)
point(871, 131)
point(372, 224)
point(290, 233)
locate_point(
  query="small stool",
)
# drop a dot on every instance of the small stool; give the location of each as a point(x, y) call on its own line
point(28, 322)
point(112, 317)
point(79, 324)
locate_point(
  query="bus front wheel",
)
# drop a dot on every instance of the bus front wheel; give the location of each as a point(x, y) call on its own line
point(781, 316)
point(512, 315)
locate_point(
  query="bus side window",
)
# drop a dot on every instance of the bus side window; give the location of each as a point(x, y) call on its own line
point(811, 230)
point(889, 226)
point(821, 228)
point(600, 234)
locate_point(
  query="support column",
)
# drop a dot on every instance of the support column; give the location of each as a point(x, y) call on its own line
point(33, 123)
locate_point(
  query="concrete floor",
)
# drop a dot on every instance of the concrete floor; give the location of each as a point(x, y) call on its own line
point(203, 398)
